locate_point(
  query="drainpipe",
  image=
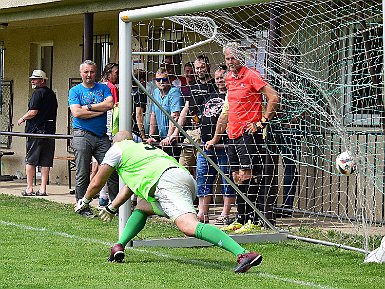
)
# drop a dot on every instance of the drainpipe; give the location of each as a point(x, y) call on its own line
point(88, 36)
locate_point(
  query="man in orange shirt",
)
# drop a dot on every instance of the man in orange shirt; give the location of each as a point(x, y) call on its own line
point(245, 121)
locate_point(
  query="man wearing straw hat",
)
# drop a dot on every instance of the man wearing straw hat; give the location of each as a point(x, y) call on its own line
point(40, 119)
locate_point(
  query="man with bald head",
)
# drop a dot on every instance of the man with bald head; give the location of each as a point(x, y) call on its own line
point(165, 188)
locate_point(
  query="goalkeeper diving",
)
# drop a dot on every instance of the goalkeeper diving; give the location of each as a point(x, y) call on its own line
point(164, 188)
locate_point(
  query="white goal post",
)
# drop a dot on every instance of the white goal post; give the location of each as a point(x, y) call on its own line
point(125, 59)
point(326, 60)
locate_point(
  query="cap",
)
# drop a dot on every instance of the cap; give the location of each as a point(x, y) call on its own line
point(39, 74)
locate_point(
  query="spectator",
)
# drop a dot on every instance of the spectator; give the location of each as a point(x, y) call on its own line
point(190, 78)
point(205, 172)
point(192, 111)
point(40, 119)
point(245, 122)
point(186, 93)
point(110, 77)
point(140, 103)
point(139, 108)
point(150, 87)
point(170, 66)
point(165, 188)
point(89, 101)
point(170, 99)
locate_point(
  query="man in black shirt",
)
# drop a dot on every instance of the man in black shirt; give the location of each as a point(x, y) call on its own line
point(40, 119)
point(206, 174)
point(190, 116)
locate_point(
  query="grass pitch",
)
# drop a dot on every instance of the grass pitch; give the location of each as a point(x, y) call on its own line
point(45, 245)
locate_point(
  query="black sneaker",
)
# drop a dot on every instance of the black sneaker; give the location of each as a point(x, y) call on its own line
point(117, 253)
point(246, 261)
point(87, 213)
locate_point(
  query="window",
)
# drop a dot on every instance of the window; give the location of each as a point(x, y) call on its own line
point(255, 54)
point(363, 95)
point(42, 58)
point(46, 61)
point(102, 51)
point(171, 41)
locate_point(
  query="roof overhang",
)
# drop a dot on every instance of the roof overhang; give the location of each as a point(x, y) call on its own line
point(14, 11)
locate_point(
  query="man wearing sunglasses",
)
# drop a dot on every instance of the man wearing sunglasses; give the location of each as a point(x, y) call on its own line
point(170, 98)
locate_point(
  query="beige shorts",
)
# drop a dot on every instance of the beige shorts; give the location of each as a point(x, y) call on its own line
point(174, 194)
point(188, 155)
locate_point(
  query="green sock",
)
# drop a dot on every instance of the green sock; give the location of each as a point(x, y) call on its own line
point(134, 225)
point(218, 238)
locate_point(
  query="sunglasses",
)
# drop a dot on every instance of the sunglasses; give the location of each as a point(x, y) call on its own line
point(164, 79)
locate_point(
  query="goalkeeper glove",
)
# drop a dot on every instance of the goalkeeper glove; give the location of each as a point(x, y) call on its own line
point(108, 213)
point(82, 204)
point(253, 127)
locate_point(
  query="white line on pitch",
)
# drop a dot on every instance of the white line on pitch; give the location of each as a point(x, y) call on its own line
point(287, 280)
point(160, 254)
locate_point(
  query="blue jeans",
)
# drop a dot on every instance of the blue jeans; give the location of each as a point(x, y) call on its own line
point(85, 146)
point(206, 173)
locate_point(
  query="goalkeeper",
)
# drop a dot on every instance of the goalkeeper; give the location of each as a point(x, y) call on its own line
point(164, 188)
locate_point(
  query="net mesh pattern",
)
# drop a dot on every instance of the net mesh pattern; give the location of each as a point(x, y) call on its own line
point(325, 60)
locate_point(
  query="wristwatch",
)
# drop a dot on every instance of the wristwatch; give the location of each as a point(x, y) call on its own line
point(264, 121)
point(89, 106)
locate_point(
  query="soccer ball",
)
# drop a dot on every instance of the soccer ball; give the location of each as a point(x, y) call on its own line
point(345, 163)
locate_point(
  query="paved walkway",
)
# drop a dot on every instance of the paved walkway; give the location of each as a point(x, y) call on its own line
point(56, 193)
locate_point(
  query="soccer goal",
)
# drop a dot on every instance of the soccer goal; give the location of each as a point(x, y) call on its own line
point(325, 58)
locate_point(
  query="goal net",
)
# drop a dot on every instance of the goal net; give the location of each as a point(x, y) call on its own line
point(325, 58)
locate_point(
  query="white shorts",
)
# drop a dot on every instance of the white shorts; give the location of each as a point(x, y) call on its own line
point(174, 194)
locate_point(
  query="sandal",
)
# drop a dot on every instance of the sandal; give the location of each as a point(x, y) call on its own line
point(40, 194)
point(26, 194)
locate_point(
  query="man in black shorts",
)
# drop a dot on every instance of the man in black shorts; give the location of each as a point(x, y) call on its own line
point(40, 119)
point(244, 118)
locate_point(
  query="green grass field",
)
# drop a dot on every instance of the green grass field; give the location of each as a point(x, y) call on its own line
point(45, 245)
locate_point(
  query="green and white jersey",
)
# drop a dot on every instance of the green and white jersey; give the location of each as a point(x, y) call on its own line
point(139, 165)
